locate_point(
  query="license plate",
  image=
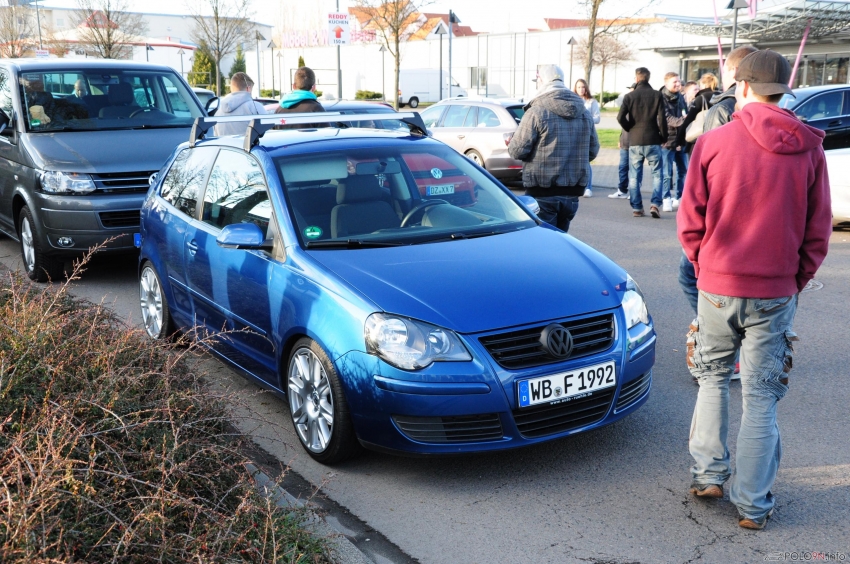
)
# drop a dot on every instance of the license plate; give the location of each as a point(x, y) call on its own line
point(441, 190)
point(566, 385)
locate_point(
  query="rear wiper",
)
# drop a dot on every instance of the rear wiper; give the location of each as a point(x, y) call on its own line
point(350, 244)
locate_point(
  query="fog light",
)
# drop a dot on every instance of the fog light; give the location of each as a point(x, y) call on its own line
point(65, 242)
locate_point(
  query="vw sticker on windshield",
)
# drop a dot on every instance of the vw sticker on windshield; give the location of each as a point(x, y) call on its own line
point(436, 173)
point(313, 232)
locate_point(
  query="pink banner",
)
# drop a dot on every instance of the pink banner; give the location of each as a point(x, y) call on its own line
point(719, 45)
point(799, 54)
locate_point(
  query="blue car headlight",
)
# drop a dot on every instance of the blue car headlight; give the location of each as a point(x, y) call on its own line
point(409, 344)
point(634, 306)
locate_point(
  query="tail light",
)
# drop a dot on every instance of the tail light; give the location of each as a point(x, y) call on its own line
point(507, 137)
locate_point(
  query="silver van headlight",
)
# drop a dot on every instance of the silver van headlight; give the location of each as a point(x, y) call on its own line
point(55, 182)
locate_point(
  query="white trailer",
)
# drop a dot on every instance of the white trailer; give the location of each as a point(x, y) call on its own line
point(423, 85)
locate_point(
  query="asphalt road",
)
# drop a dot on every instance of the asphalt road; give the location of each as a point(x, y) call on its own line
point(617, 494)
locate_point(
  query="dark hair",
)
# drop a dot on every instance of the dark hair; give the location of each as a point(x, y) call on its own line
point(770, 98)
point(641, 74)
point(587, 95)
point(305, 79)
point(737, 55)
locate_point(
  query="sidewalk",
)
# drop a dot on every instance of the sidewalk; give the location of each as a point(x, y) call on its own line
point(605, 173)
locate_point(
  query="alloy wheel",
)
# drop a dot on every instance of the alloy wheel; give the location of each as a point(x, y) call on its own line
point(311, 400)
point(28, 245)
point(150, 294)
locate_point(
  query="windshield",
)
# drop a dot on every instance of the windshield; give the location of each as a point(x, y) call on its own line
point(406, 195)
point(106, 99)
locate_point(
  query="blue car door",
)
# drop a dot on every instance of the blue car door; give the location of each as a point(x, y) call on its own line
point(229, 287)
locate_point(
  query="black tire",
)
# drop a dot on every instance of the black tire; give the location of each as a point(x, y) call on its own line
point(38, 266)
point(475, 157)
point(343, 443)
point(156, 315)
point(413, 102)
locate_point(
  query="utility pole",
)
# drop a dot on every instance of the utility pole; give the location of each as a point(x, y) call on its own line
point(736, 5)
point(338, 67)
point(38, 21)
point(259, 84)
point(572, 43)
point(441, 32)
point(272, 46)
point(181, 53)
point(453, 19)
point(383, 52)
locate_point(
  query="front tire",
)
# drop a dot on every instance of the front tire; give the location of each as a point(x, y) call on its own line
point(156, 315)
point(413, 102)
point(317, 405)
point(39, 267)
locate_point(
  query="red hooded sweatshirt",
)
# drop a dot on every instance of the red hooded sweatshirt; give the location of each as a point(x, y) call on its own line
point(755, 217)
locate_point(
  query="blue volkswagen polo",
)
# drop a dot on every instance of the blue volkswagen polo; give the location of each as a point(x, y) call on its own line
point(394, 293)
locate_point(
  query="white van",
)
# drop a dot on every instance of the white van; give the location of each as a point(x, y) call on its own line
point(423, 85)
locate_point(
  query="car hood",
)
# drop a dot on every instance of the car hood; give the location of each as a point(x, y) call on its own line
point(104, 151)
point(483, 284)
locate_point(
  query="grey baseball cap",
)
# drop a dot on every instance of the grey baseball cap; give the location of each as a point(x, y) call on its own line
point(767, 72)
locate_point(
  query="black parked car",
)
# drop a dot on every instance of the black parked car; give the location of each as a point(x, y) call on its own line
point(825, 107)
point(79, 140)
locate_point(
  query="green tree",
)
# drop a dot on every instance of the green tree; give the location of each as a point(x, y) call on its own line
point(238, 61)
point(301, 61)
point(203, 71)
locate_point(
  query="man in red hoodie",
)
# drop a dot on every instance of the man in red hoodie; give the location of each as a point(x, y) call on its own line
point(755, 222)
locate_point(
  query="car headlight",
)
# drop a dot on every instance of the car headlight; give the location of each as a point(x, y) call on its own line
point(634, 305)
point(55, 182)
point(410, 345)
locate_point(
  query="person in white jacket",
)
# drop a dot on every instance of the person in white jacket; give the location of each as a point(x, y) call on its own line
point(238, 103)
point(583, 90)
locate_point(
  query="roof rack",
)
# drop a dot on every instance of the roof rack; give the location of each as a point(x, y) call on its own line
point(258, 125)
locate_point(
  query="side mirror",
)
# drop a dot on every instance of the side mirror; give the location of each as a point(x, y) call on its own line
point(243, 236)
point(530, 203)
point(211, 106)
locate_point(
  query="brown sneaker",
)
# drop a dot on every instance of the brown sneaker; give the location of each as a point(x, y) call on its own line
point(638, 213)
point(707, 490)
point(755, 524)
point(653, 211)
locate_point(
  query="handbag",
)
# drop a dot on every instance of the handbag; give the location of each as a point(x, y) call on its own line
point(695, 129)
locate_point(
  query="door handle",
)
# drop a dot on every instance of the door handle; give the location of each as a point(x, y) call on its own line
point(461, 136)
point(193, 247)
point(834, 123)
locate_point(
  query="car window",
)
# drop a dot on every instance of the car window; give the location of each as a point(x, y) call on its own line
point(488, 118)
point(472, 117)
point(236, 192)
point(516, 112)
point(5, 92)
point(455, 116)
point(404, 195)
point(185, 178)
point(823, 106)
point(432, 115)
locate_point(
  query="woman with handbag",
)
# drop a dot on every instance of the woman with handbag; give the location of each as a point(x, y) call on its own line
point(696, 114)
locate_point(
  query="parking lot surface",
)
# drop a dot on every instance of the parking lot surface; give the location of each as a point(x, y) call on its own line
point(617, 494)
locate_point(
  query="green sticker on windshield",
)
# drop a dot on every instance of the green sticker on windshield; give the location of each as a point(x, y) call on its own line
point(313, 232)
point(35, 123)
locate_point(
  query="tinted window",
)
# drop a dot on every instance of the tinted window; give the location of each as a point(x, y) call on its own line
point(5, 93)
point(236, 192)
point(186, 177)
point(516, 112)
point(488, 118)
point(455, 116)
point(432, 115)
point(823, 106)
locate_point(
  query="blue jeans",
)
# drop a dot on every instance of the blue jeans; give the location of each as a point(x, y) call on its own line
point(688, 281)
point(623, 171)
point(761, 328)
point(668, 157)
point(637, 154)
point(558, 211)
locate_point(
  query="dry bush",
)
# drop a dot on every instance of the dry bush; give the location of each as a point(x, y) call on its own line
point(111, 450)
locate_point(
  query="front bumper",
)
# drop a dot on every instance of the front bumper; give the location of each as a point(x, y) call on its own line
point(466, 407)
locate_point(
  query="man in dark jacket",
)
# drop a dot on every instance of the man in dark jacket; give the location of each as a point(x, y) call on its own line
point(671, 152)
point(556, 140)
point(642, 115)
point(302, 99)
point(723, 104)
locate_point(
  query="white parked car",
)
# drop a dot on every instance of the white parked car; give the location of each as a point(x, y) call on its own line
point(838, 164)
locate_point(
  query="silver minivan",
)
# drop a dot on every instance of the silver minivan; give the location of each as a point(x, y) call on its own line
point(79, 140)
point(481, 129)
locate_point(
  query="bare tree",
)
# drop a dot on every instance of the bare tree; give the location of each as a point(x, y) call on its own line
point(608, 50)
point(17, 23)
point(597, 27)
point(107, 29)
point(57, 42)
point(219, 26)
point(395, 21)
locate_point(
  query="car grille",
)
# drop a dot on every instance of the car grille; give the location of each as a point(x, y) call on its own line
point(633, 390)
point(459, 429)
point(122, 182)
point(130, 218)
point(522, 349)
point(543, 420)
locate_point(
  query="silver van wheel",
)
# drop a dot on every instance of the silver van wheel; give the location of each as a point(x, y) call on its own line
point(311, 400)
point(27, 245)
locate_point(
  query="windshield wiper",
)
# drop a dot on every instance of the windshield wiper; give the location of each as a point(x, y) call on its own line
point(459, 236)
point(350, 244)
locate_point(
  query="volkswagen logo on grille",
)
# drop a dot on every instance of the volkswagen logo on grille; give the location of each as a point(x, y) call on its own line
point(557, 341)
point(436, 173)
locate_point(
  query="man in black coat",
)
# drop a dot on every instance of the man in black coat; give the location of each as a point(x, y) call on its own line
point(642, 115)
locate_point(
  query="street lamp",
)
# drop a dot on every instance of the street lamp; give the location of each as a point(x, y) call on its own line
point(736, 5)
point(148, 49)
point(441, 31)
point(272, 46)
point(181, 53)
point(382, 51)
point(572, 43)
point(453, 19)
point(280, 70)
point(259, 38)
